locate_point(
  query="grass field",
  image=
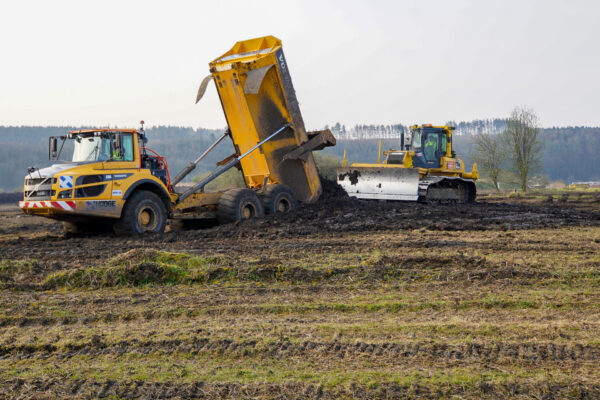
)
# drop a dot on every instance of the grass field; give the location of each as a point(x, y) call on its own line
point(382, 312)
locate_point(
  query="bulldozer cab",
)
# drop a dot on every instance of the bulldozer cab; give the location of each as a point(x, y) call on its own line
point(430, 145)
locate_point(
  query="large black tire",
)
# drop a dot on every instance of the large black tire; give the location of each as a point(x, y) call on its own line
point(144, 212)
point(239, 204)
point(278, 198)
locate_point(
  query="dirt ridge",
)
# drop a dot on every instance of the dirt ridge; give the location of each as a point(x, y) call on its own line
point(90, 389)
point(393, 352)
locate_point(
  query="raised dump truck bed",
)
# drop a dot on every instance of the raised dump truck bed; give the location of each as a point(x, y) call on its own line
point(258, 98)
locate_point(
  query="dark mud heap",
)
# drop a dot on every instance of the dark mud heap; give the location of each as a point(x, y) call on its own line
point(332, 192)
point(335, 212)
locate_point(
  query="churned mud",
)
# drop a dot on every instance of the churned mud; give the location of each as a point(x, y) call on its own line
point(337, 299)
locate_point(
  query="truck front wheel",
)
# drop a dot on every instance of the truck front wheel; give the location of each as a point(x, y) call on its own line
point(143, 212)
point(238, 204)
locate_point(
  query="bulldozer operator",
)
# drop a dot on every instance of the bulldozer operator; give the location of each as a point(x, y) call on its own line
point(430, 147)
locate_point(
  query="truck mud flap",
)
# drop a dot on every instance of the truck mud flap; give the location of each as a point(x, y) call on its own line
point(380, 183)
point(202, 88)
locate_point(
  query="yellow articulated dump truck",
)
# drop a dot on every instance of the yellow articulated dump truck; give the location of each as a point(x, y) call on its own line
point(112, 176)
point(425, 170)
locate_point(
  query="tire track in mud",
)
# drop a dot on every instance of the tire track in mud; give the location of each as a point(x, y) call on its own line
point(391, 353)
point(132, 389)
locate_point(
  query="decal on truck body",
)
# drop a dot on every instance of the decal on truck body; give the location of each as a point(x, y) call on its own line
point(65, 182)
point(91, 205)
point(61, 205)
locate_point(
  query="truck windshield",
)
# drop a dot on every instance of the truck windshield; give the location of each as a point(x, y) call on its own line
point(91, 148)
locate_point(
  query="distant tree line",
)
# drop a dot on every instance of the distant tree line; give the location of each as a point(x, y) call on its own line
point(359, 132)
point(569, 153)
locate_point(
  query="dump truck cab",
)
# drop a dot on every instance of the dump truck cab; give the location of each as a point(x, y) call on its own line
point(94, 172)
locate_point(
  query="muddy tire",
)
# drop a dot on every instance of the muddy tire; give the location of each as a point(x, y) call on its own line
point(278, 198)
point(144, 212)
point(239, 204)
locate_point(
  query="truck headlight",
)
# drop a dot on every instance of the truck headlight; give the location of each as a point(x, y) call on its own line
point(65, 194)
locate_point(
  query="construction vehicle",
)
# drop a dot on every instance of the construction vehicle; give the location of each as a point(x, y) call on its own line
point(584, 185)
point(425, 170)
point(113, 176)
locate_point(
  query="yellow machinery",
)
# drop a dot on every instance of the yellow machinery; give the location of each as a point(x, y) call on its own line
point(113, 176)
point(425, 170)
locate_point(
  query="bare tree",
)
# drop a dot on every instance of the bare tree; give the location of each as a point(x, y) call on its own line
point(523, 144)
point(490, 155)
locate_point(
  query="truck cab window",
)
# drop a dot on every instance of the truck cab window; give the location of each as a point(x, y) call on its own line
point(91, 148)
point(127, 147)
point(126, 151)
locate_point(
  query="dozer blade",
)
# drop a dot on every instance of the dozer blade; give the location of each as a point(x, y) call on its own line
point(380, 183)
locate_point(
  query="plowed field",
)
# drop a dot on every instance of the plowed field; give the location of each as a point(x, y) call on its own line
point(341, 299)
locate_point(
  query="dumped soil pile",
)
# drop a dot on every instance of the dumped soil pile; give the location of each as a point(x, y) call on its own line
point(332, 191)
point(335, 212)
point(334, 215)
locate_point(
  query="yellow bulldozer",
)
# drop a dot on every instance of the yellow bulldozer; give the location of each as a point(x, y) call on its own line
point(112, 176)
point(426, 170)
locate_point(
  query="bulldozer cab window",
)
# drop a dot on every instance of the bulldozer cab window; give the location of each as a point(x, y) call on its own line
point(426, 145)
point(416, 141)
point(444, 143)
point(430, 146)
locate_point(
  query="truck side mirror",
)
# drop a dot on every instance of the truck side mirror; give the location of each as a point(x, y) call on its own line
point(53, 148)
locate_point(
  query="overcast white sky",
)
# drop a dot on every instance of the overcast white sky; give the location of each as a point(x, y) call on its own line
point(116, 62)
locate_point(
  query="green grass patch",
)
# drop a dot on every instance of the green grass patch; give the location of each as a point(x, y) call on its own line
point(155, 267)
point(212, 368)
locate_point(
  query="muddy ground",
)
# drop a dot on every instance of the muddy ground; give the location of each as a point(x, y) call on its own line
point(334, 215)
point(340, 299)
